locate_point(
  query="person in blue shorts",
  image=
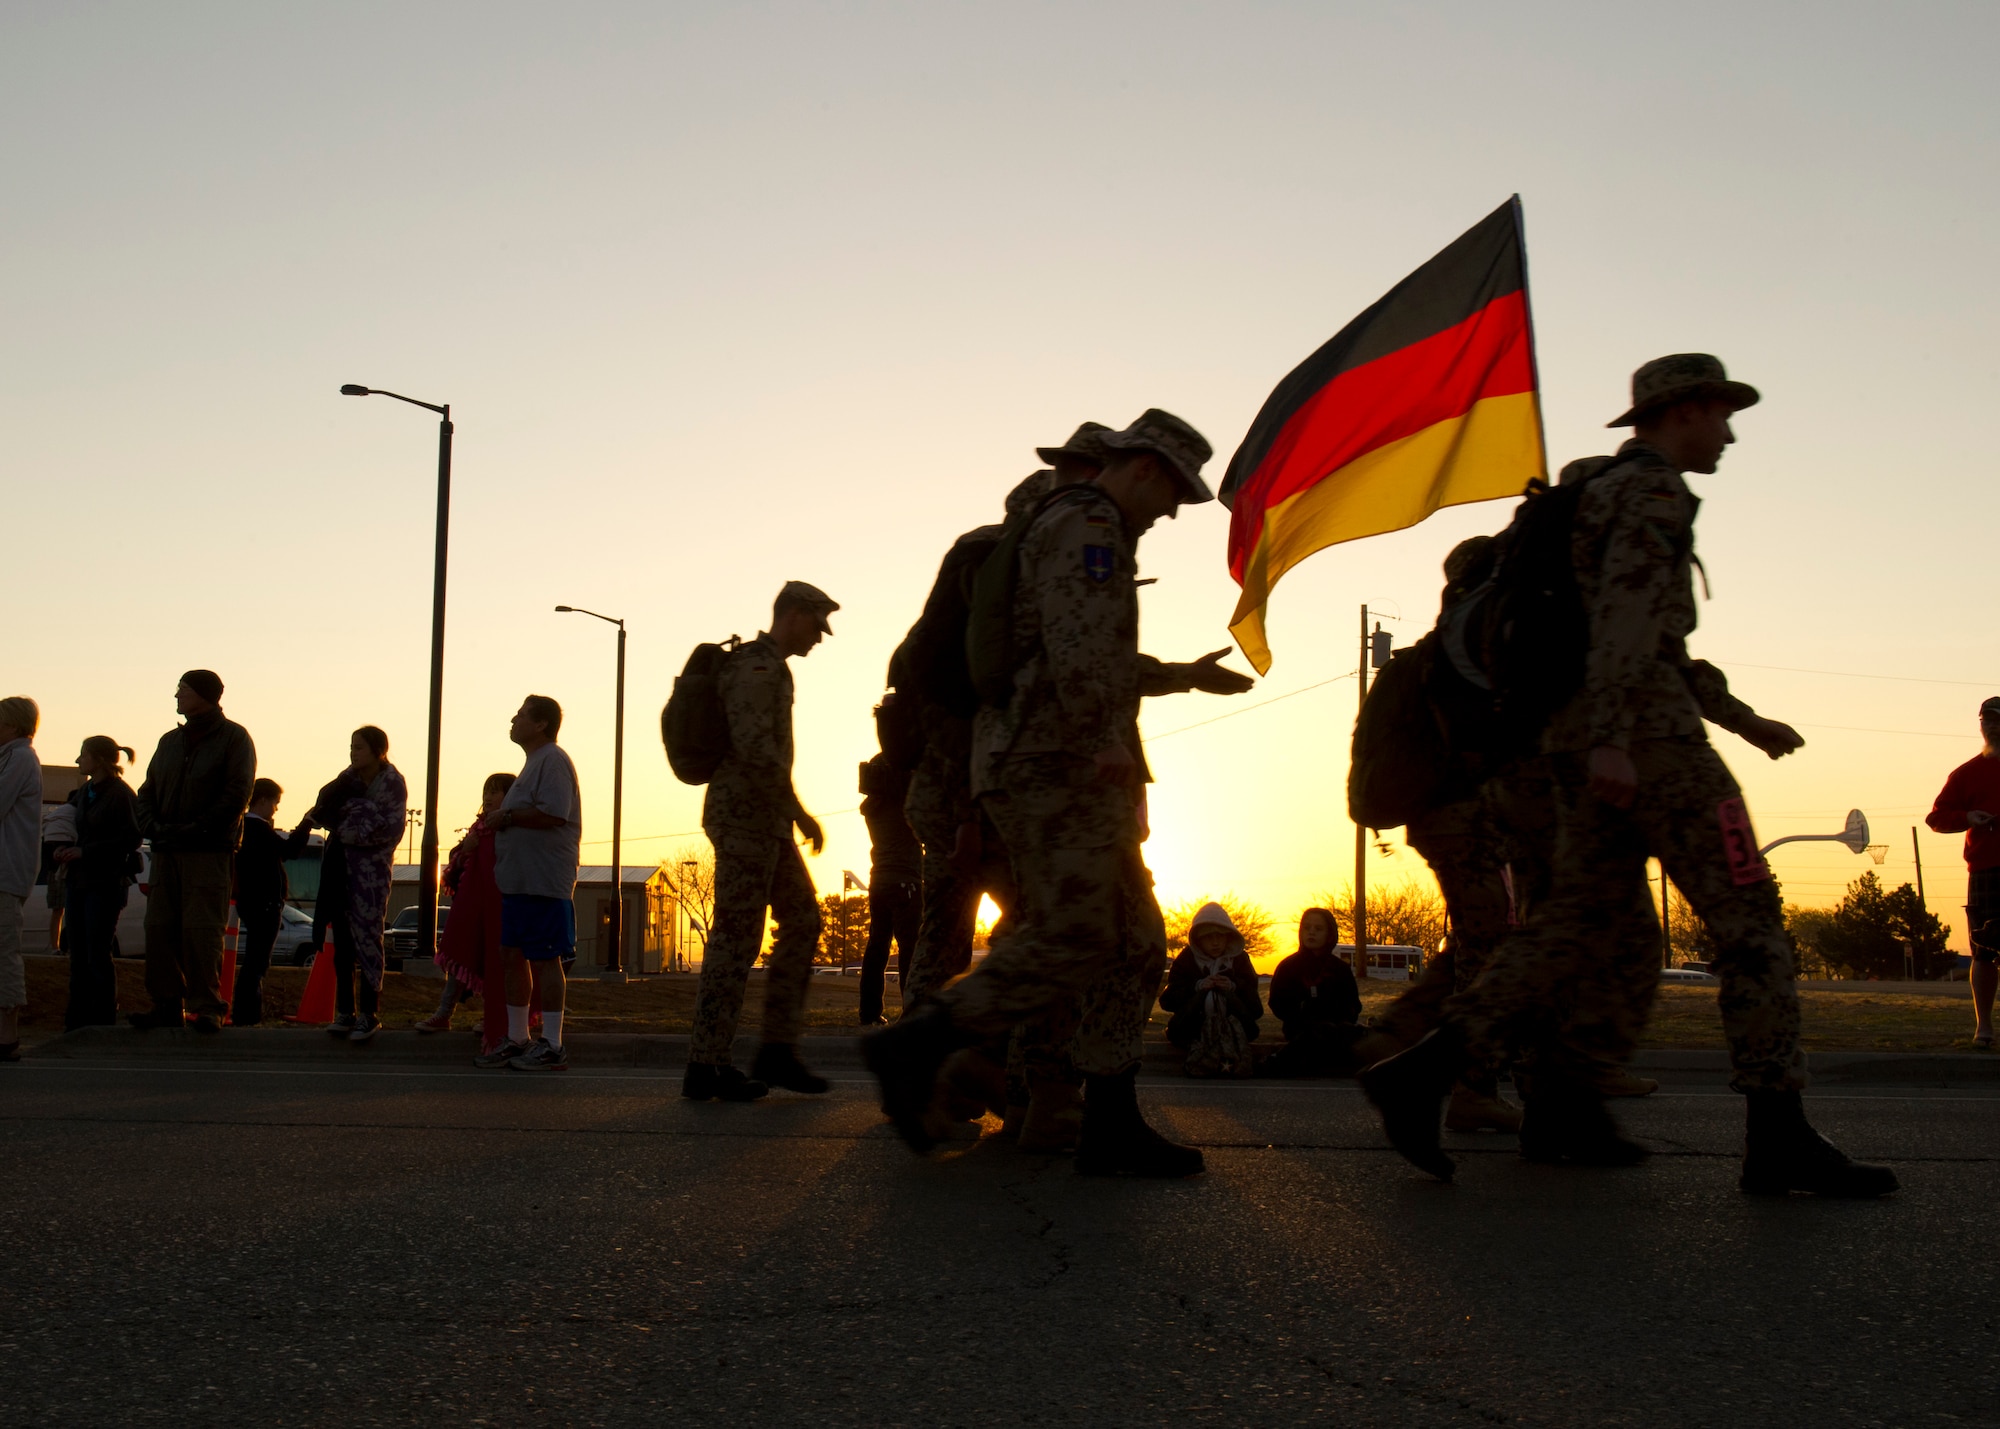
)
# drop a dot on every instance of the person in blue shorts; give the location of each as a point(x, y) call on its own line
point(539, 833)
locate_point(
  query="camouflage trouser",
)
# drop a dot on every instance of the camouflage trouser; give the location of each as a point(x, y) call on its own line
point(951, 907)
point(1086, 927)
point(1466, 855)
point(753, 874)
point(1038, 1050)
point(1582, 980)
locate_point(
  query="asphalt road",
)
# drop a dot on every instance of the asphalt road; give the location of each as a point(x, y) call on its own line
point(309, 1245)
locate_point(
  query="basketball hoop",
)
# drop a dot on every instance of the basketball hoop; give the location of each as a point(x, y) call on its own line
point(1878, 852)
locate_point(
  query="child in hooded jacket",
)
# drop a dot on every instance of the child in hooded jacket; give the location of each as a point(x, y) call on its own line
point(1212, 994)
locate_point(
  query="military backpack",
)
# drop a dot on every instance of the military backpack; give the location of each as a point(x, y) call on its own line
point(990, 656)
point(694, 726)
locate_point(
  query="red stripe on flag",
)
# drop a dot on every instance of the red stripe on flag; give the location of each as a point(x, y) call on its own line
point(1383, 401)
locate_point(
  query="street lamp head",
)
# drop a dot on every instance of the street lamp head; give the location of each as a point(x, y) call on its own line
point(353, 389)
point(566, 610)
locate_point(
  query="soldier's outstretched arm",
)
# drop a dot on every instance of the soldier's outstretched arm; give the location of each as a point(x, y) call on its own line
point(1158, 677)
point(1719, 707)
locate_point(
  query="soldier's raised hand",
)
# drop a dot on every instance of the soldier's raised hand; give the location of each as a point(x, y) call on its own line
point(1207, 675)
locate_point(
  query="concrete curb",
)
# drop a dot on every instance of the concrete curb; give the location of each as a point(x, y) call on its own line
point(837, 1051)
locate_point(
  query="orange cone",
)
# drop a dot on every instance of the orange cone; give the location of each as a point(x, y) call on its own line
point(316, 1003)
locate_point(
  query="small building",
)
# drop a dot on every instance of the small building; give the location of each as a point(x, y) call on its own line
point(650, 909)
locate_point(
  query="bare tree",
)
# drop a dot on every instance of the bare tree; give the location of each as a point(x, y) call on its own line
point(1410, 913)
point(689, 872)
point(1252, 921)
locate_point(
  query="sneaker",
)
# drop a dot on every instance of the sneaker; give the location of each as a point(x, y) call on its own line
point(208, 1024)
point(436, 1022)
point(341, 1026)
point(365, 1028)
point(500, 1056)
point(542, 1057)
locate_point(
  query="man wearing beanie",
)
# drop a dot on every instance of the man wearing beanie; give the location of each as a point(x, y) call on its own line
point(191, 807)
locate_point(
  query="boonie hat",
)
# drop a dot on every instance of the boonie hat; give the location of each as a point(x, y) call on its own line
point(1678, 377)
point(1989, 708)
point(1179, 445)
point(1086, 442)
point(813, 598)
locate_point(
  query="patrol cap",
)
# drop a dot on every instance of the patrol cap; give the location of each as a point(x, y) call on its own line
point(1989, 708)
point(1086, 441)
point(1175, 442)
point(1678, 377)
point(810, 596)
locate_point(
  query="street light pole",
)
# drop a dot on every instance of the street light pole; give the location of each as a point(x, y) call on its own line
point(614, 971)
point(427, 882)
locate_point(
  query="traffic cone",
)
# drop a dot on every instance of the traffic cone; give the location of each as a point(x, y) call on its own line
point(316, 1003)
point(230, 940)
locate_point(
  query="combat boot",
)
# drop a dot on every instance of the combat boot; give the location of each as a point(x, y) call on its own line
point(905, 1057)
point(1115, 1139)
point(974, 1083)
point(1565, 1123)
point(1409, 1090)
point(708, 1082)
point(778, 1065)
point(1476, 1106)
point(1622, 1082)
point(1782, 1153)
point(1054, 1121)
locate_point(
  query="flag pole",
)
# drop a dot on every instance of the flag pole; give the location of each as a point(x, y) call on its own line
point(1528, 308)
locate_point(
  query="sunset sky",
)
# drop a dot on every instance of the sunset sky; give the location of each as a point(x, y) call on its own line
point(727, 294)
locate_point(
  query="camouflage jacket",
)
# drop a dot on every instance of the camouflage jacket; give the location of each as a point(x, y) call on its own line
point(1076, 614)
point(751, 791)
point(1633, 549)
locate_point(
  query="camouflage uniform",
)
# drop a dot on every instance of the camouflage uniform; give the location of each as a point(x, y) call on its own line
point(1086, 924)
point(1590, 965)
point(1463, 848)
point(748, 816)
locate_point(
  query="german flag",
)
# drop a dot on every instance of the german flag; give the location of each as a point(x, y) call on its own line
point(1428, 399)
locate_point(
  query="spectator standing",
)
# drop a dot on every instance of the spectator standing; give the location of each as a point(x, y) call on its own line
point(262, 886)
point(191, 807)
point(469, 946)
point(99, 868)
point(58, 837)
point(20, 853)
point(538, 830)
point(1970, 801)
point(895, 880)
point(1212, 994)
point(365, 808)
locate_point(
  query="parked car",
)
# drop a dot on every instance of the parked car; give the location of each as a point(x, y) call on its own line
point(295, 945)
point(1687, 975)
point(399, 940)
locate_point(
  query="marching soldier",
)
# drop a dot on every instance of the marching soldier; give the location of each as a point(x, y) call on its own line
point(749, 814)
point(1059, 771)
point(1635, 776)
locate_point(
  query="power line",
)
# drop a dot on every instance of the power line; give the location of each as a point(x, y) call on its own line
point(1914, 733)
point(1861, 675)
point(1261, 704)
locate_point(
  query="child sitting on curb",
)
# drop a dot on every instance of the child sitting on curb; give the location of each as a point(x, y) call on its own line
point(1212, 994)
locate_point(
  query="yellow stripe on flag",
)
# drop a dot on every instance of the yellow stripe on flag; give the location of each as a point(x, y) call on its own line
point(1493, 450)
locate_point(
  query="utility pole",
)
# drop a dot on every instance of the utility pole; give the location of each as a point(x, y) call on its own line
point(1666, 923)
point(1917, 849)
point(1360, 832)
